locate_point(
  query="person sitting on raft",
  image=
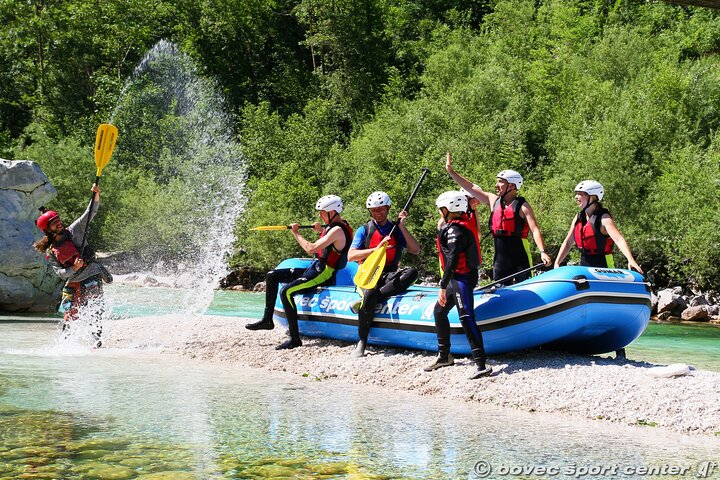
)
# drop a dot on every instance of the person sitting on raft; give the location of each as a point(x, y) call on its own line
point(459, 259)
point(393, 280)
point(511, 219)
point(593, 231)
point(332, 255)
point(83, 275)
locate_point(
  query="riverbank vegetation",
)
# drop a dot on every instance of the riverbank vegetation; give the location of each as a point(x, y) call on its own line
point(349, 97)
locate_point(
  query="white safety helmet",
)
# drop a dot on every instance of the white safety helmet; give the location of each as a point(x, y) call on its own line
point(591, 187)
point(511, 176)
point(453, 200)
point(378, 199)
point(328, 203)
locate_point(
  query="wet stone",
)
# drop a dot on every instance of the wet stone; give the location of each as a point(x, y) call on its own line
point(135, 462)
point(333, 468)
point(270, 471)
point(109, 472)
point(168, 475)
point(33, 461)
point(92, 454)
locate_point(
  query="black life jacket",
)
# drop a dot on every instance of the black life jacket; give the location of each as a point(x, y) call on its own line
point(331, 257)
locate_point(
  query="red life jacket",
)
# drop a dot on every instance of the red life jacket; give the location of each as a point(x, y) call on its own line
point(373, 237)
point(588, 234)
point(469, 220)
point(65, 250)
point(329, 255)
point(507, 222)
point(469, 259)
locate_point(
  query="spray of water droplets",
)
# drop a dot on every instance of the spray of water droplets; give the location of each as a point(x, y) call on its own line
point(204, 163)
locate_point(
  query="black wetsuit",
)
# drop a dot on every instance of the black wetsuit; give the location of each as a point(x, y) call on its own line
point(460, 261)
point(320, 273)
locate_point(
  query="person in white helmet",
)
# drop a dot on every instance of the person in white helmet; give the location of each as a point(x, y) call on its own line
point(459, 260)
point(593, 231)
point(394, 280)
point(331, 250)
point(511, 220)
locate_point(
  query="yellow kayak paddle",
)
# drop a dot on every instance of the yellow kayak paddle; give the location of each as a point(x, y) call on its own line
point(272, 228)
point(105, 139)
point(104, 145)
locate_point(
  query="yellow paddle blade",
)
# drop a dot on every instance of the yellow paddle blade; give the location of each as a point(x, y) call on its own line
point(267, 228)
point(371, 269)
point(104, 145)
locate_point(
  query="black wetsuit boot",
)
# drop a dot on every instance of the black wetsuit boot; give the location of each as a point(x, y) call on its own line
point(261, 325)
point(482, 369)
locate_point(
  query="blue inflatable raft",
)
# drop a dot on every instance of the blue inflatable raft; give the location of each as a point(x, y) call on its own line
point(576, 309)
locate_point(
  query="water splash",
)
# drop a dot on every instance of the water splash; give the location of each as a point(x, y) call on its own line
point(196, 157)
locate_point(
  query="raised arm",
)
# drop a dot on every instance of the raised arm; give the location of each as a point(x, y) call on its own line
point(479, 193)
point(78, 226)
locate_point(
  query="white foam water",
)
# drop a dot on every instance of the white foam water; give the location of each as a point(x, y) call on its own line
point(210, 170)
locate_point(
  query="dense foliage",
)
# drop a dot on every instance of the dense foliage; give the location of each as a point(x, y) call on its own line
point(348, 97)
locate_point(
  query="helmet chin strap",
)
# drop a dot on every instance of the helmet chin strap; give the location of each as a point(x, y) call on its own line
point(507, 190)
point(590, 204)
point(583, 212)
point(330, 219)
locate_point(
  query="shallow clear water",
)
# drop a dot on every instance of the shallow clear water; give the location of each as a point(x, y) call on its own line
point(697, 345)
point(69, 412)
point(124, 414)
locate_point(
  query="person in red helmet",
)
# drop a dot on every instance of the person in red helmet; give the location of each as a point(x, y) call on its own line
point(63, 249)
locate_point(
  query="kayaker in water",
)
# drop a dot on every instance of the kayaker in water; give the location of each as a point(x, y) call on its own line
point(593, 231)
point(511, 219)
point(83, 275)
point(393, 281)
point(459, 259)
point(331, 250)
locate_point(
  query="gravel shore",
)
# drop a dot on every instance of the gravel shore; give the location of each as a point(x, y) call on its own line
point(622, 391)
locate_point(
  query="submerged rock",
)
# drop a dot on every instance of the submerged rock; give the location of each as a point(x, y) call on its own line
point(27, 284)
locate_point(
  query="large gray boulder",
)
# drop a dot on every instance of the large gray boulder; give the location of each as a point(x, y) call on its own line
point(27, 284)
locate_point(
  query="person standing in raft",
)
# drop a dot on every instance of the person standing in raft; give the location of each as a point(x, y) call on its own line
point(332, 255)
point(393, 281)
point(593, 231)
point(511, 218)
point(83, 275)
point(459, 259)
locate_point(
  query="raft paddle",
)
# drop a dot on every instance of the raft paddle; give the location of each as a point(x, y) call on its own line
point(372, 267)
point(104, 145)
point(484, 287)
point(270, 228)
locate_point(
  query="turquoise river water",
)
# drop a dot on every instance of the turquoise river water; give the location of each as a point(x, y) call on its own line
point(130, 414)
